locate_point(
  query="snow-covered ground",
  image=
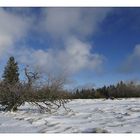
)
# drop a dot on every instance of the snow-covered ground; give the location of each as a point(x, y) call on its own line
point(86, 116)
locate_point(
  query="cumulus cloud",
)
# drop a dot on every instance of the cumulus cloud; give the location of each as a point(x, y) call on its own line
point(71, 59)
point(12, 29)
point(70, 25)
point(132, 63)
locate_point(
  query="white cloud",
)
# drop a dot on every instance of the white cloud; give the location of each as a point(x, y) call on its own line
point(12, 29)
point(132, 63)
point(78, 56)
point(71, 25)
point(74, 57)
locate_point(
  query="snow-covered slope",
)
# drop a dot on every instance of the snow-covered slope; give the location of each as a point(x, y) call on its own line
point(86, 116)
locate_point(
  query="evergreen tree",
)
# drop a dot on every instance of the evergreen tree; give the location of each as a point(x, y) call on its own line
point(11, 74)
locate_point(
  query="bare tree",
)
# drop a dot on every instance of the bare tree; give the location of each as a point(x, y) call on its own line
point(31, 76)
point(48, 97)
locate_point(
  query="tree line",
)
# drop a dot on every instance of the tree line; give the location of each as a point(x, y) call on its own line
point(120, 90)
point(50, 94)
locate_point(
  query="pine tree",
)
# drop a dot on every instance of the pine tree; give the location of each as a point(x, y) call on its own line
point(10, 87)
point(11, 74)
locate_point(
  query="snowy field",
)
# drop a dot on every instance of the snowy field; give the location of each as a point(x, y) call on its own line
point(86, 116)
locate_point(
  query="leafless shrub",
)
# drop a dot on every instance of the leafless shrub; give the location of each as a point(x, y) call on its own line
point(48, 97)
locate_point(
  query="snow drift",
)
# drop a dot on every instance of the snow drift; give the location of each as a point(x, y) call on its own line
point(86, 116)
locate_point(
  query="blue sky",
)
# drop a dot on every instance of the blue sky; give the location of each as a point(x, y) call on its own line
point(92, 46)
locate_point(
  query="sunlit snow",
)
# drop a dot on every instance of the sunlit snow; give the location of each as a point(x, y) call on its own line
point(86, 116)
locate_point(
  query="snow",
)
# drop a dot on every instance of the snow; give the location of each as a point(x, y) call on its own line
point(86, 116)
